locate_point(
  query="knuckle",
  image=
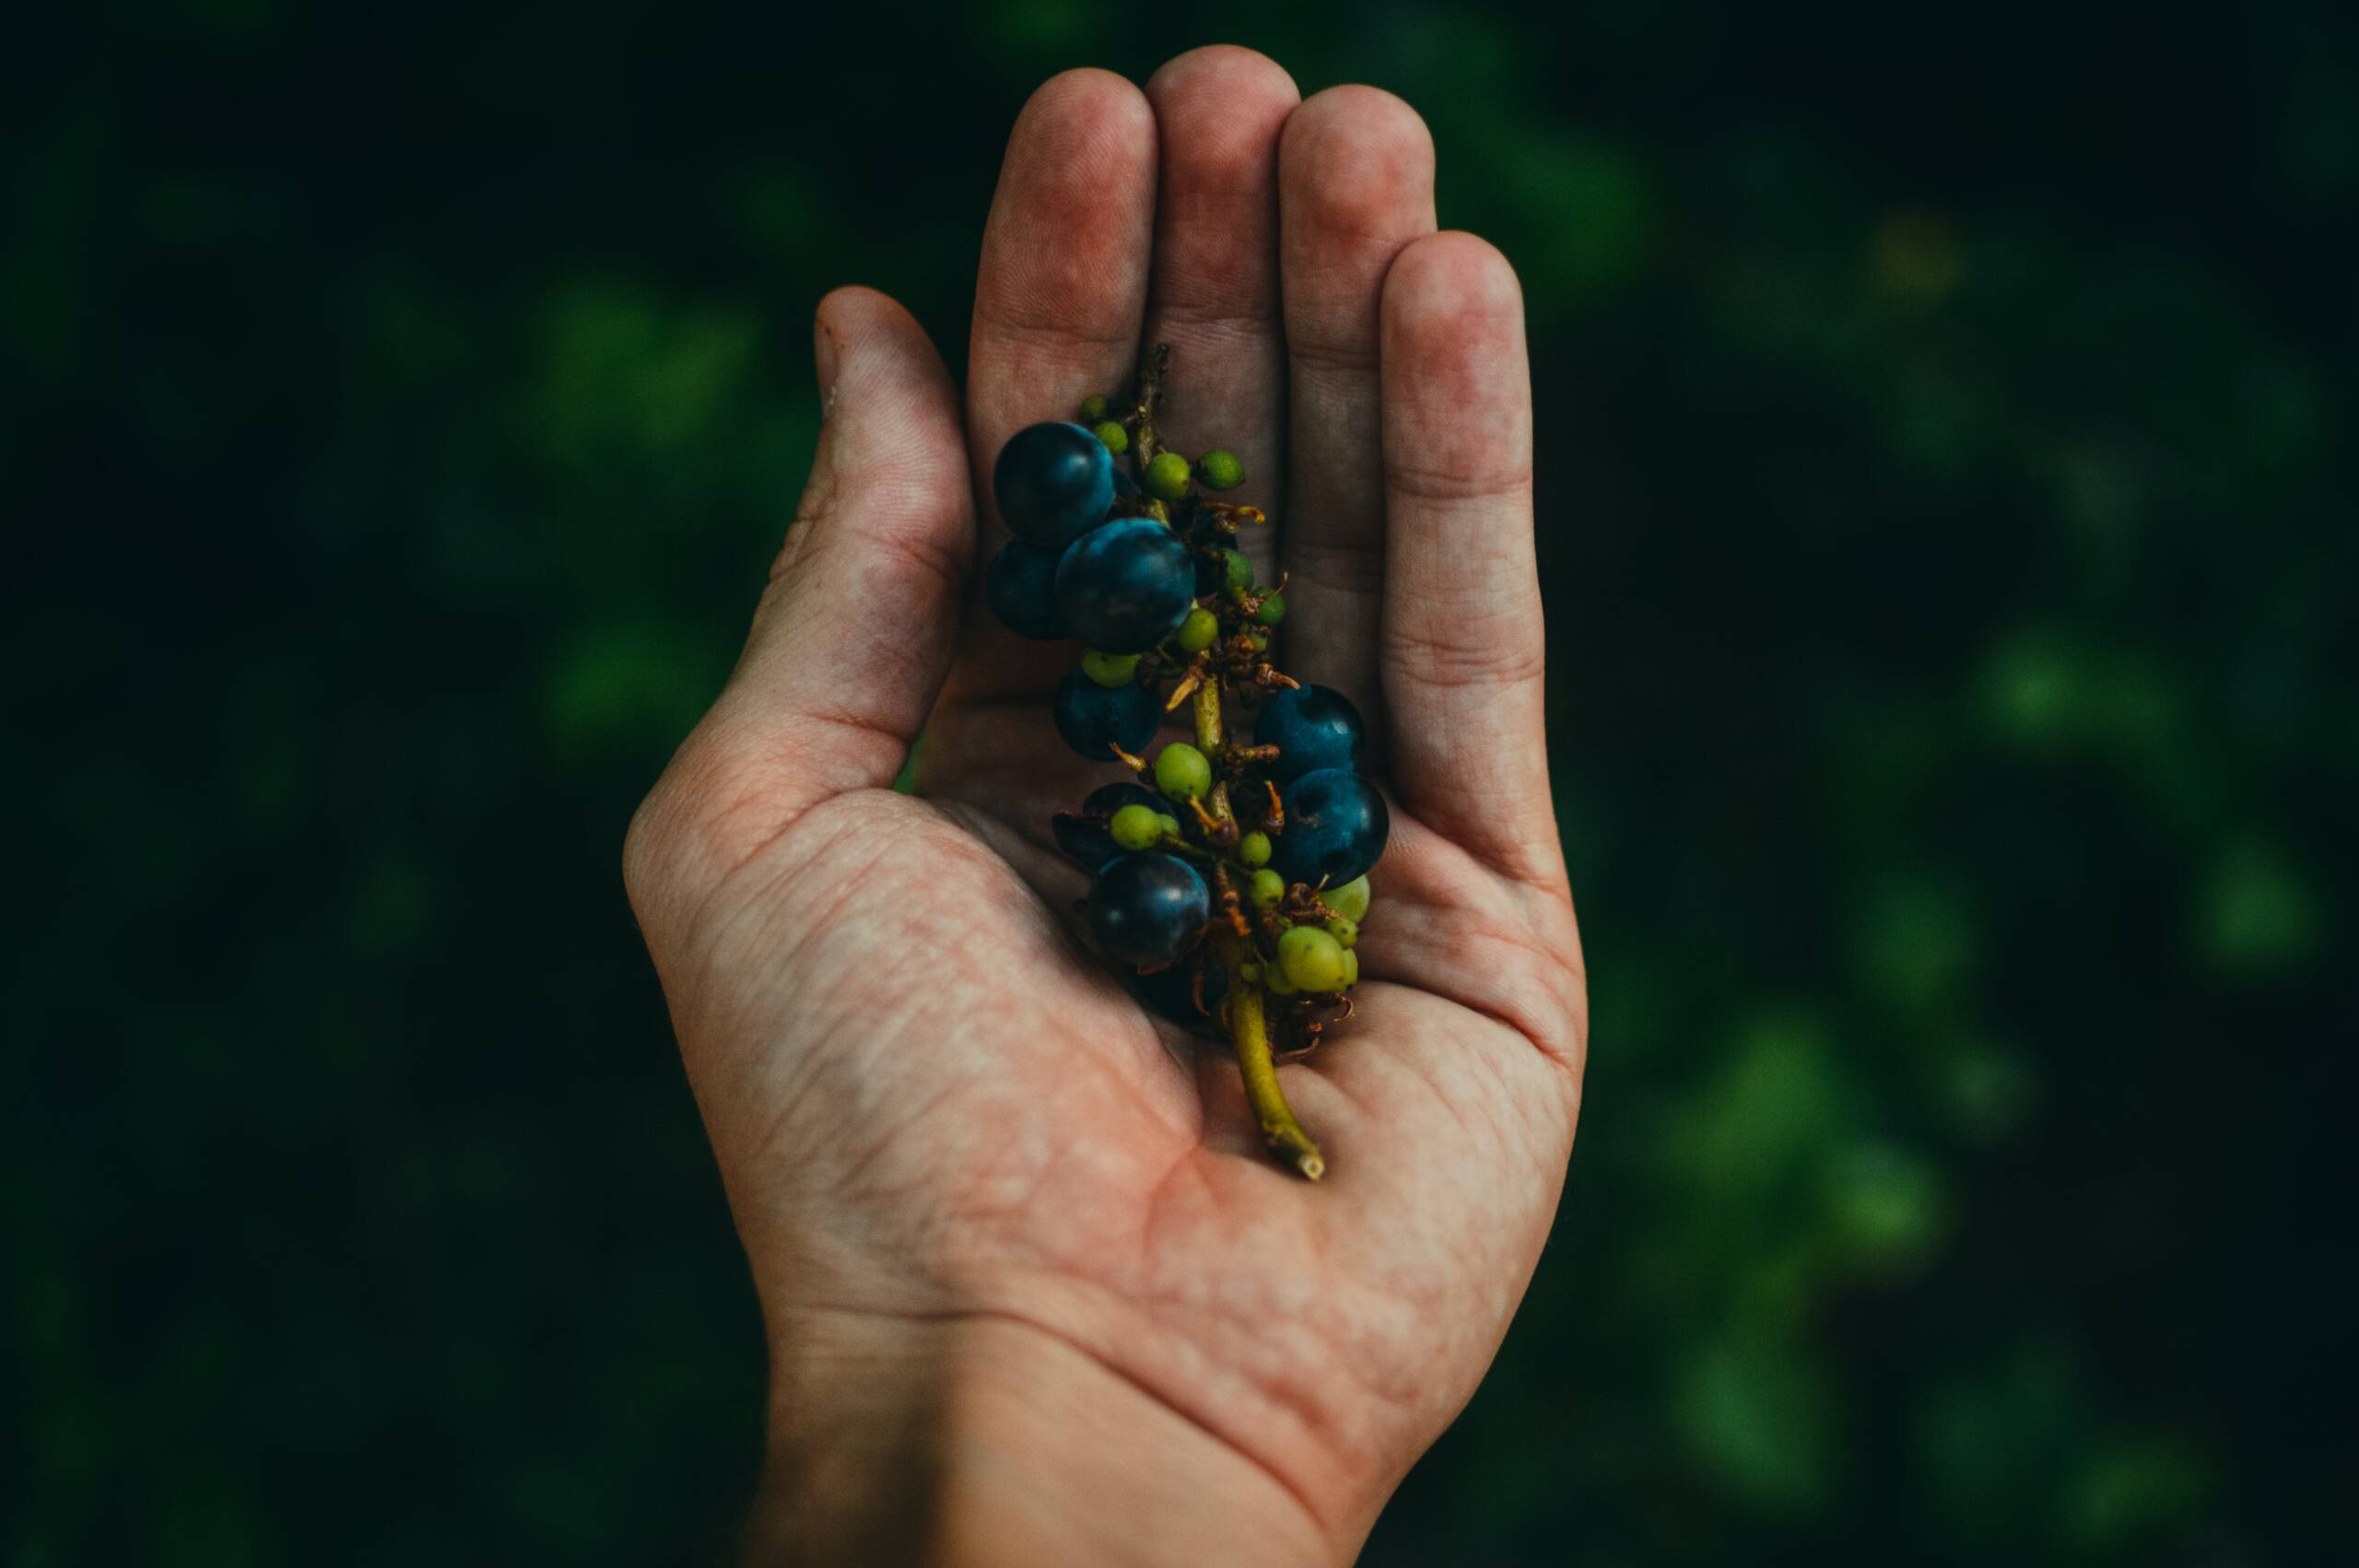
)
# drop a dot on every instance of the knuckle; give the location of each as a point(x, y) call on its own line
point(1451, 653)
point(1467, 477)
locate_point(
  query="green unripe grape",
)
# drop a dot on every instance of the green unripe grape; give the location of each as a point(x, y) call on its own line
point(1274, 978)
point(1250, 973)
point(1311, 959)
point(1254, 849)
point(1117, 439)
point(1093, 409)
point(1349, 900)
point(1170, 823)
point(1258, 640)
point(1182, 772)
point(1273, 609)
point(1240, 569)
point(1135, 827)
point(1199, 631)
point(1351, 968)
point(1266, 889)
point(1219, 470)
point(1109, 669)
point(1167, 476)
point(1346, 933)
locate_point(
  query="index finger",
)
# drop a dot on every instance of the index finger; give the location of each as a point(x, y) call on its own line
point(1059, 296)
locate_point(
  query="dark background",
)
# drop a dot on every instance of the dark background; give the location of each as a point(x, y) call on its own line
point(1948, 536)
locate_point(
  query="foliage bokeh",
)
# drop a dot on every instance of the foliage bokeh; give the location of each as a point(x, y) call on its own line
point(1948, 540)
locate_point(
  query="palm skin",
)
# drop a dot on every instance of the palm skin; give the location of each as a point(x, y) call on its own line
point(962, 1160)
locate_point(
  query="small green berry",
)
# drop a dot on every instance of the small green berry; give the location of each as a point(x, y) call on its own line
point(1311, 959)
point(1117, 439)
point(1258, 640)
point(1170, 823)
point(1266, 889)
point(1273, 609)
point(1199, 631)
point(1250, 973)
point(1109, 669)
point(1182, 772)
point(1351, 968)
point(1167, 476)
point(1240, 569)
point(1093, 409)
point(1219, 470)
point(1274, 978)
point(1254, 849)
point(1349, 900)
point(1137, 826)
point(1345, 931)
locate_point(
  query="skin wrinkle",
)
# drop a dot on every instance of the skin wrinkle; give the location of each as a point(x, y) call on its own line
point(1214, 333)
point(1199, 1389)
point(906, 1117)
point(1461, 658)
point(927, 559)
point(1038, 329)
point(1325, 1345)
point(1146, 1058)
point(1114, 1368)
point(1309, 1069)
point(1339, 360)
point(1353, 567)
point(1439, 486)
point(1445, 970)
point(1454, 946)
point(1438, 1079)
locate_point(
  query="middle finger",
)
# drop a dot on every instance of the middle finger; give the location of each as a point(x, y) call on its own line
point(1214, 295)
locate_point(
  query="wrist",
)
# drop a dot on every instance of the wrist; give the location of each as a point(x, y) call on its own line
point(983, 1441)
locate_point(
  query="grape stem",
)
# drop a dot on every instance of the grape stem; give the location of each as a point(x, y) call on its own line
point(1208, 717)
point(1249, 1018)
point(1144, 441)
point(1249, 1031)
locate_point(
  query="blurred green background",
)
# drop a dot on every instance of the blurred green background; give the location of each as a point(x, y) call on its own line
point(1948, 529)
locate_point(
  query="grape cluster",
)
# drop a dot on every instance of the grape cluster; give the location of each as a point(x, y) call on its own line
point(1229, 877)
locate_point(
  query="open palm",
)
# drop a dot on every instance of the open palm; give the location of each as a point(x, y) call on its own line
point(931, 1106)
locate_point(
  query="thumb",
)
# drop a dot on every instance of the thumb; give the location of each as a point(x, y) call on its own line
point(853, 637)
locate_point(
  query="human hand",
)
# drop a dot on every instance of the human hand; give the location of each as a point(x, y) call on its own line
point(1034, 1293)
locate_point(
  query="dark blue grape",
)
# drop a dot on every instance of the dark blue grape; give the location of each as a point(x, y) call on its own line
point(1125, 586)
point(1336, 826)
point(1087, 842)
point(1107, 798)
point(1171, 993)
point(1148, 908)
point(1211, 573)
point(1020, 586)
point(1313, 727)
point(1094, 719)
point(1084, 835)
point(1053, 481)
